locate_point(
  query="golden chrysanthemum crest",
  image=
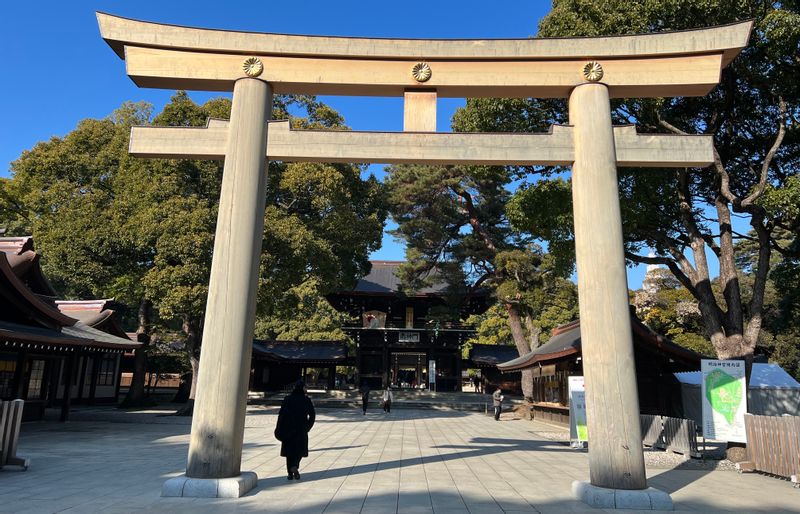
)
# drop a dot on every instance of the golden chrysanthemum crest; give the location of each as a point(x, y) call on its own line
point(593, 71)
point(421, 72)
point(253, 66)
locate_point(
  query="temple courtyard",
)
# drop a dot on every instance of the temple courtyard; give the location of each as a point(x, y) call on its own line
point(112, 461)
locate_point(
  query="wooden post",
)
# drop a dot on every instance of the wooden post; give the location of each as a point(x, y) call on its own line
point(215, 449)
point(616, 460)
point(419, 111)
point(53, 374)
point(69, 364)
point(96, 360)
point(83, 364)
point(18, 381)
point(385, 376)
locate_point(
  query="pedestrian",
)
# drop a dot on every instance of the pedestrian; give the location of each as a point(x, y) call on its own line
point(476, 381)
point(387, 400)
point(295, 419)
point(364, 397)
point(497, 399)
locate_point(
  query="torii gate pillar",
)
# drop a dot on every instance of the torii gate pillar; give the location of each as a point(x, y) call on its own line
point(615, 459)
point(215, 449)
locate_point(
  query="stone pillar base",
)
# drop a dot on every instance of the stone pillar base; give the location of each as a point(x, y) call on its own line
point(603, 498)
point(232, 487)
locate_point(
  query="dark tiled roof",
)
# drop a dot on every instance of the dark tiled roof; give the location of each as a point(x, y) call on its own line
point(17, 245)
point(491, 354)
point(83, 310)
point(78, 335)
point(24, 261)
point(96, 314)
point(25, 302)
point(301, 351)
point(103, 339)
point(382, 278)
point(560, 345)
point(28, 316)
point(566, 341)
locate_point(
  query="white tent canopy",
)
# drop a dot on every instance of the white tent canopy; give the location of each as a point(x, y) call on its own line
point(763, 376)
point(772, 392)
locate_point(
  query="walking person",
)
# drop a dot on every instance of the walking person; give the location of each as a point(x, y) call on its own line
point(295, 419)
point(476, 382)
point(364, 397)
point(387, 400)
point(497, 399)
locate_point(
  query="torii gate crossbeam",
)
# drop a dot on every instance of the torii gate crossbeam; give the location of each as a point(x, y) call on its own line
point(587, 71)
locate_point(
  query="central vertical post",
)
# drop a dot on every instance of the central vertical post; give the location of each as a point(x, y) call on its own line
point(215, 450)
point(616, 460)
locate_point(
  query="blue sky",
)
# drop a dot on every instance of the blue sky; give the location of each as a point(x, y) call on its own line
point(57, 69)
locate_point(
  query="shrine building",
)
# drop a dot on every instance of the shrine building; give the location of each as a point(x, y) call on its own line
point(402, 338)
point(53, 353)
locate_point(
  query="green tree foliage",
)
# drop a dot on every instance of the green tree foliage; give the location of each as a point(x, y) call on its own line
point(305, 316)
point(780, 338)
point(142, 230)
point(453, 221)
point(553, 306)
point(674, 313)
point(753, 117)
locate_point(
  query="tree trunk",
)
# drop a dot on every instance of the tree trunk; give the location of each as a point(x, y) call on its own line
point(191, 328)
point(518, 333)
point(136, 391)
point(533, 333)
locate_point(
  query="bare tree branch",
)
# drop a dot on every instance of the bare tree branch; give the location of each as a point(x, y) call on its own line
point(724, 178)
point(474, 221)
point(669, 126)
point(758, 190)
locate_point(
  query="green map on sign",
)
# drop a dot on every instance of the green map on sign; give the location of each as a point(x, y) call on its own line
point(724, 393)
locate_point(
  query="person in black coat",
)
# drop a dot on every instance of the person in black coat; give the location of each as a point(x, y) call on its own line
point(295, 419)
point(364, 390)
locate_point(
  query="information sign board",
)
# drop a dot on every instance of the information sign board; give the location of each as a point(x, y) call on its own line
point(578, 430)
point(724, 397)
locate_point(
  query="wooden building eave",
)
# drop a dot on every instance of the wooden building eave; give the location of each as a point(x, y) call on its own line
point(17, 293)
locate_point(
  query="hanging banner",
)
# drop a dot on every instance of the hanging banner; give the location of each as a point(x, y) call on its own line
point(724, 398)
point(432, 371)
point(578, 430)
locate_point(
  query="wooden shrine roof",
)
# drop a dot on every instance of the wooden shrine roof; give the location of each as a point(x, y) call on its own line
point(566, 343)
point(301, 352)
point(31, 319)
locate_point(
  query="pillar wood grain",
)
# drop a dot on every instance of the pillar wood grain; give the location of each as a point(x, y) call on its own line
point(616, 460)
point(215, 448)
point(419, 111)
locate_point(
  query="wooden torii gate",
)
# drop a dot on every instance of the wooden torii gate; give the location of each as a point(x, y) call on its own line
point(587, 71)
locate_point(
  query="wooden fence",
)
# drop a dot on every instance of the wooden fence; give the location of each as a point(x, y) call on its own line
point(674, 434)
point(10, 419)
point(773, 446)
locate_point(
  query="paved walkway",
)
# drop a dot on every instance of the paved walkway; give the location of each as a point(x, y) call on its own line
point(408, 461)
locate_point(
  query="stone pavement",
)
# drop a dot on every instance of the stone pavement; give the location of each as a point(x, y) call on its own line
point(409, 461)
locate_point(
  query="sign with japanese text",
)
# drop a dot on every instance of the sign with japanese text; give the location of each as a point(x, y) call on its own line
point(578, 430)
point(724, 398)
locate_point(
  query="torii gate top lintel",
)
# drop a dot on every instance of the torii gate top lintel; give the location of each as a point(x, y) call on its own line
point(685, 63)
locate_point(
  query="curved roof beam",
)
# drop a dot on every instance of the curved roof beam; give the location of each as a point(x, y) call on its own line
point(120, 32)
point(664, 64)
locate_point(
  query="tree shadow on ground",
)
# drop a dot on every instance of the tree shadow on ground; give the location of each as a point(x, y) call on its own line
point(355, 415)
point(336, 448)
point(498, 446)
